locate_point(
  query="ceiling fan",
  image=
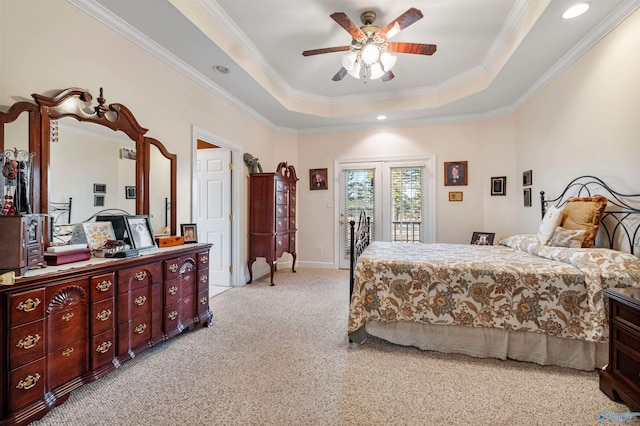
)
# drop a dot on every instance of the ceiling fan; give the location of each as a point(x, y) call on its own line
point(369, 52)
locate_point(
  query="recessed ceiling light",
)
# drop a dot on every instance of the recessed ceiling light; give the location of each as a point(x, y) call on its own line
point(575, 10)
point(381, 117)
point(221, 69)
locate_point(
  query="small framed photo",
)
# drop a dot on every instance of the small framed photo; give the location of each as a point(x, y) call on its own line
point(527, 197)
point(127, 153)
point(99, 188)
point(130, 192)
point(318, 179)
point(499, 185)
point(98, 200)
point(140, 232)
point(527, 178)
point(482, 238)
point(455, 173)
point(95, 234)
point(455, 196)
point(189, 232)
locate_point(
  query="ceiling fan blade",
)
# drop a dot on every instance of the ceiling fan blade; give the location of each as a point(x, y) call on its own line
point(325, 50)
point(400, 23)
point(343, 20)
point(387, 76)
point(340, 74)
point(414, 48)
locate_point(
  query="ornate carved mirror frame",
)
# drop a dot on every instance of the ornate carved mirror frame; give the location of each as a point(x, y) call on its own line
point(76, 103)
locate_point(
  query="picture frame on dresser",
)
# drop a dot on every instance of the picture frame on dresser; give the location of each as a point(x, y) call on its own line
point(140, 232)
point(189, 232)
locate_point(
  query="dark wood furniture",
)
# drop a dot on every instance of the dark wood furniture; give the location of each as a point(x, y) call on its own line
point(22, 245)
point(272, 216)
point(620, 379)
point(69, 325)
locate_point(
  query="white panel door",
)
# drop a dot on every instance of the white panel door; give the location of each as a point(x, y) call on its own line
point(213, 182)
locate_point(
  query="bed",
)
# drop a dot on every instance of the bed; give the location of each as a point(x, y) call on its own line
point(535, 298)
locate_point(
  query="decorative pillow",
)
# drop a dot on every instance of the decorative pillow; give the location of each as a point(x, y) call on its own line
point(550, 222)
point(584, 213)
point(567, 238)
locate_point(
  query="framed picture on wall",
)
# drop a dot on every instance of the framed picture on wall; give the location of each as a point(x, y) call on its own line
point(527, 197)
point(318, 179)
point(455, 196)
point(527, 178)
point(130, 192)
point(455, 173)
point(499, 185)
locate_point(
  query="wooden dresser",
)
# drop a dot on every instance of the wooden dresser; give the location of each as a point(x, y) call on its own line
point(68, 325)
point(272, 216)
point(22, 245)
point(620, 380)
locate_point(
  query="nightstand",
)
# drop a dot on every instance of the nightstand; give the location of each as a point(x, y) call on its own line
point(620, 380)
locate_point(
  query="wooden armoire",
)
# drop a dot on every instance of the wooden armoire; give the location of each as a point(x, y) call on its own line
point(272, 216)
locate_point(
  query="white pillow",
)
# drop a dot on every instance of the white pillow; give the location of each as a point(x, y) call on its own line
point(550, 222)
point(571, 238)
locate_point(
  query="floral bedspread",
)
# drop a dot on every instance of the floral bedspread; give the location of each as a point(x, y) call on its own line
point(517, 285)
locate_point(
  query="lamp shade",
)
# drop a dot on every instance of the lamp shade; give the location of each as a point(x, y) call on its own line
point(370, 54)
point(355, 70)
point(376, 71)
point(388, 61)
point(349, 60)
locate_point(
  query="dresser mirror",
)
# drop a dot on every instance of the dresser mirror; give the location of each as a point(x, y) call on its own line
point(95, 154)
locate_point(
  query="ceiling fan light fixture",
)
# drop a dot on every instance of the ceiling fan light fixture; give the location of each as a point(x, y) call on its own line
point(388, 61)
point(575, 10)
point(349, 60)
point(370, 54)
point(375, 71)
point(355, 70)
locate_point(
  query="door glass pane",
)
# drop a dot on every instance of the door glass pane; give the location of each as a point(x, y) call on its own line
point(359, 194)
point(406, 204)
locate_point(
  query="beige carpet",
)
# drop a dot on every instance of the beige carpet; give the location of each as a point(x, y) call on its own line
point(280, 356)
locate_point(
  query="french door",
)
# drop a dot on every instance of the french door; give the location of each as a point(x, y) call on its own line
point(398, 196)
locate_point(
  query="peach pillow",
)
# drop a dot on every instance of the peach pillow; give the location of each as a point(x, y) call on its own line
point(584, 213)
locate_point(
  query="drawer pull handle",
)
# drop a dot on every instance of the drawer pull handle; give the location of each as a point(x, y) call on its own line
point(173, 267)
point(204, 259)
point(140, 275)
point(173, 290)
point(67, 352)
point(173, 315)
point(68, 316)
point(104, 315)
point(203, 279)
point(29, 382)
point(187, 277)
point(203, 301)
point(28, 305)
point(28, 342)
point(140, 300)
point(104, 285)
point(104, 347)
point(141, 328)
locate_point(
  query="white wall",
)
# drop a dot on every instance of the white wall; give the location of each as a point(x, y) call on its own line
point(586, 121)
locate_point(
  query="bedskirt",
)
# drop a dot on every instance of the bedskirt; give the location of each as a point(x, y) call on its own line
point(483, 342)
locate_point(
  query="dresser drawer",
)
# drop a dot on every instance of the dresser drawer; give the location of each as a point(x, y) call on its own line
point(203, 260)
point(171, 269)
point(171, 320)
point(134, 303)
point(26, 343)
point(282, 224)
point(102, 286)
point(140, 330)
point(26, 384)
point(26, 306)
point(627, 313)
point(203, 302)
point(171, 291)
point(102, 316)
point(66, 363)
point(282, 211)
point(103, 347)
point(64, 327)
point(137, 277)
point(203, 280)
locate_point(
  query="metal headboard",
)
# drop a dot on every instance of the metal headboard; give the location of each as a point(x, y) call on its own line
point(620, 221)
point(360, 238)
